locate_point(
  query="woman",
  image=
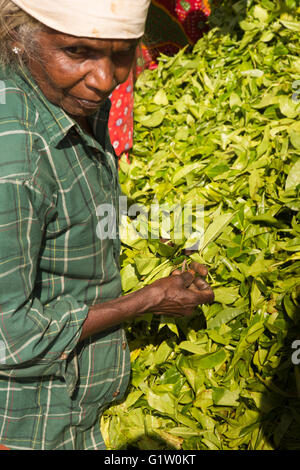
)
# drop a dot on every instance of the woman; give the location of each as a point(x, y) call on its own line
point(64, 355)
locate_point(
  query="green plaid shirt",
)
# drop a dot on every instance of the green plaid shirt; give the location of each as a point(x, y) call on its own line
point(53, 266)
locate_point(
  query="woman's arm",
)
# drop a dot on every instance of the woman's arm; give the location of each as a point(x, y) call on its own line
point(175, 296)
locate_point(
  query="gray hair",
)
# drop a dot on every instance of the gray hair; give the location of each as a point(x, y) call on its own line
point(16, 26)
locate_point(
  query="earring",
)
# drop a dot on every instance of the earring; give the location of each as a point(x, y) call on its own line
point(16, 50)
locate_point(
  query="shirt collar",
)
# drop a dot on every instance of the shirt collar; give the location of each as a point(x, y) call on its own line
point(57, 121)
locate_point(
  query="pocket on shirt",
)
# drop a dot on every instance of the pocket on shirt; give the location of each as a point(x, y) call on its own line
point(104, 369)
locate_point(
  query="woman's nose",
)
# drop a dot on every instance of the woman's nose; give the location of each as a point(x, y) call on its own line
point(101, 77)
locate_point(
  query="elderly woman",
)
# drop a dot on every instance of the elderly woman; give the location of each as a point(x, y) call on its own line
point(63, 352)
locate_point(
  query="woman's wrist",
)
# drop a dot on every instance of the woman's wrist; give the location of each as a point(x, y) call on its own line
point(114, 312)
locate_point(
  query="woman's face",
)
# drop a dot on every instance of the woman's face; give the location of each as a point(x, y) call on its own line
point(78, 74)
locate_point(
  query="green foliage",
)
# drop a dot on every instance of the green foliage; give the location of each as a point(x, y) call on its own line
point(219, 126)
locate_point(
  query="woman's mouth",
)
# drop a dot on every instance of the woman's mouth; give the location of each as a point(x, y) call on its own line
point(88, 103)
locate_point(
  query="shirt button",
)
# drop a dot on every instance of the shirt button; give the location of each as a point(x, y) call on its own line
point(116, 393)
point(64, 356)
point(124, 345)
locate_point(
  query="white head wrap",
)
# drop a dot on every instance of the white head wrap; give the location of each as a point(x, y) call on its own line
point(102, 19)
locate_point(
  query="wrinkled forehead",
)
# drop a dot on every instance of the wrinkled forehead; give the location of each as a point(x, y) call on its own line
point(51, 39)
point(99, 19)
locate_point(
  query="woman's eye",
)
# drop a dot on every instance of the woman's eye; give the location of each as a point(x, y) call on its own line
point(76, 50)
point(123, 56)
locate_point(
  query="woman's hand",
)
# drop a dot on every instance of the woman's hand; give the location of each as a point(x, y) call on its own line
point(179, 294)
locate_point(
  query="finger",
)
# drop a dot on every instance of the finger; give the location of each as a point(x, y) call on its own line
point(193, 288)
point(199, 297)
point(187, 278)
point(198, 286)
point(175, 272)
point(199, 268)
point(207, 296)
point(200, 283)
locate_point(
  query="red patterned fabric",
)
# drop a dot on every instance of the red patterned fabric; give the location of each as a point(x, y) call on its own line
point(171, 25)
point(120, 122)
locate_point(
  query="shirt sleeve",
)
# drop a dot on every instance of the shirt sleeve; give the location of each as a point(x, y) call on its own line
point(35, 340)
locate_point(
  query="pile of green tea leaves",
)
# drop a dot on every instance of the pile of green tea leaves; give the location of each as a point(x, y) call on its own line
point(219, 126)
